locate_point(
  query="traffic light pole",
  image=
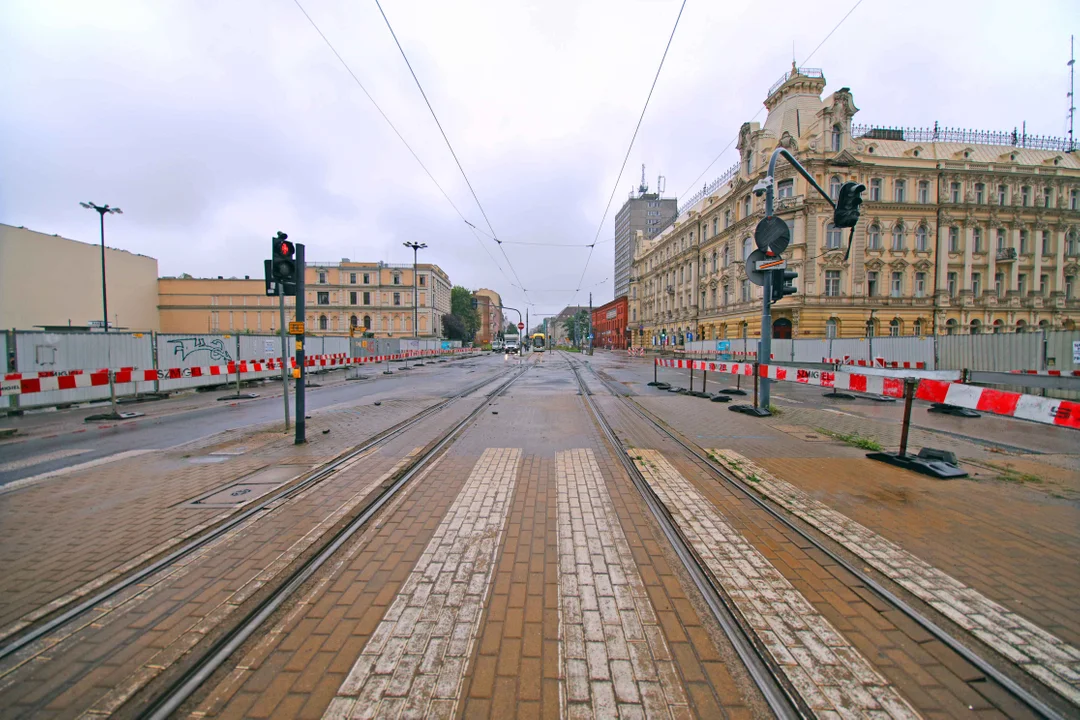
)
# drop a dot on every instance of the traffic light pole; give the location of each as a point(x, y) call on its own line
point(284, 353)
point(301, 313)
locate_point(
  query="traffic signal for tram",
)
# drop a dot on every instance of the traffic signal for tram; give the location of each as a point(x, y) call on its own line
point(283, 257)
point(783, 284)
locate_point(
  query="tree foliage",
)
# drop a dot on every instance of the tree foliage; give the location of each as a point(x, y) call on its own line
point(577, 326)
point(461, 307)
point(454, 329)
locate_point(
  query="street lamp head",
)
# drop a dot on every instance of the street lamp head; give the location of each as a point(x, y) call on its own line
point(118, 211)
point(86, 205)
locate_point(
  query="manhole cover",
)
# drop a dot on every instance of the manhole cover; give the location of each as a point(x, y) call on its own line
point(246, 489)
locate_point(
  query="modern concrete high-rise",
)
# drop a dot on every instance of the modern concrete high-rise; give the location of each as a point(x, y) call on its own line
point(648, 212)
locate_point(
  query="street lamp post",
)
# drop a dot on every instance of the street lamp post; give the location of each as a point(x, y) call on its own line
point(416, 247)
point(102, 210)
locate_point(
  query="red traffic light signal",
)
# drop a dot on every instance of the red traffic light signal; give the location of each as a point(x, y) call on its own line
point(283, 262)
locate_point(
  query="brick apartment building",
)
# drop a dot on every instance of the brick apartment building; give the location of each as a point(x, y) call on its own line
point(610, 325)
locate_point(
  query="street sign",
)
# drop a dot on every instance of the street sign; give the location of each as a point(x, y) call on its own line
point(521, 326)
point(723, 346)
point(752, 273)
point(296, 328)
point(772, 233)
point(773, 263)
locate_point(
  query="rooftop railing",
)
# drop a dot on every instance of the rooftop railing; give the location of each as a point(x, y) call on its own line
point(1016, 138)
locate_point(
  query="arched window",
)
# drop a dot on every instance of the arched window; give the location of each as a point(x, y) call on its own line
point(833, 236)
point(871, 328)
point(837, 136)
point(899, 186)
point(830, 327)
point(747, 248)
point(1044, 324)
point(715, 258)
point(921, 238)
point(727, 256)
point(874, 237)
point(999, 327)
point(916, 328)
point(367, 322)
point(834, 187)
point(353, 321)
point(324, 323)
point(894, 327)
point(1021, 326)
point(976, 327)
point(951, 326)
point(898, 237)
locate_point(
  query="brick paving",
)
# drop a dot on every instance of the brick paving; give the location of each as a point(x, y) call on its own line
point(1040, 653)
point(826, 670)
point(69, 536)
point(614, 658)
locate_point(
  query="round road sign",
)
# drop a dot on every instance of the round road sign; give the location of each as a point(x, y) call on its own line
point(521, 326)
point(752, 273)
point(772, 233)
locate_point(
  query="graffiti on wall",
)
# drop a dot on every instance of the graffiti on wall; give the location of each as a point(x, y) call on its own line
point(213, 347)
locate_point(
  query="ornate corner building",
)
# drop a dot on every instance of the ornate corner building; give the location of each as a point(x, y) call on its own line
point(961, 232)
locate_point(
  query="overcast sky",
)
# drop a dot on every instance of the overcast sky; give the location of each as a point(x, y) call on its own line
point(214, 124)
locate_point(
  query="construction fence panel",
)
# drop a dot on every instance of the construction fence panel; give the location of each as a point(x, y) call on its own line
point(186, 351)
point(1062, 351)
point(992, 353)
point(60, 353)
point(5, 401)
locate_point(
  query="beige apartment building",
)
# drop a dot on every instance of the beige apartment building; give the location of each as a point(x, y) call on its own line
point(372, 297)
point(47, 281)
point(489, 310)
point(961, 232)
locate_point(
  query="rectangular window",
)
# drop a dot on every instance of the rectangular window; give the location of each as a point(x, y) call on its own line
point(715, 225)
point(896, 288)
point(872, 283)
point(920, 284)
point(976, 283)
point(367, 298)
point(1003, 193)
point(976, 240)
point(1025, 195)
point(352, 280)
point(1021, 284)
point(832, 283)
point(1070, 283)
point(999, 284)
point(1073, 197)
point(727, 218)
point(980, 192)
point(1048, 193)
point(1023, 242)
point(952, 284)
point(397, 278)
point(367, 279)
point(1044, 285)
point(1046, 247)
point(423, 280)
point(747, 205)
point(323, 298)
point(397, 298)
point(746, 291)
point(1001, 239)
point(785, 188)
point(352, 298)
point(954, 240)
point(924, 191)
point(833, 237)
point(954, 192)
point(322, 278)
point(898, 191)
point(875, 190)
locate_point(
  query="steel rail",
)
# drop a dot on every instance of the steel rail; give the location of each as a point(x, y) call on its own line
point(1006, 682)
point(39, 631)
point(192, 678)
point(781, 697)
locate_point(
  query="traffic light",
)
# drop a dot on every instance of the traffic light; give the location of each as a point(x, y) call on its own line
point(846, 214)
point(783, 284)
point(283, 252)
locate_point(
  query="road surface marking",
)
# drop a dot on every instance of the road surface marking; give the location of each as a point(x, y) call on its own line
point(825, 669)
point(614, 660)
point(1045, 656)
point(16, 484)
point(38, 459)
point(416, 658)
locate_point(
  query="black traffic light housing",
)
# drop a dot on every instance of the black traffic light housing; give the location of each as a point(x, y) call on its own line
point(846, 214)
point(281, 268)
point(783, 284)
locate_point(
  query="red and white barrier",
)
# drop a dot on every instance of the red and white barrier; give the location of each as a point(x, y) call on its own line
point(708, 366)
point(636, 352)
point(878, 362)
point(47, 381)
point(1053, 373)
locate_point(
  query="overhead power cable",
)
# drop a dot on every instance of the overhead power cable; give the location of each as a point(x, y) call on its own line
point(836, 27)
point(495, 235)
point(398, 133)
point(622, 168)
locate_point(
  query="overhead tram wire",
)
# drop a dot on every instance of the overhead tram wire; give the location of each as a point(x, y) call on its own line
point(396, 131)
point(495, 235)
point(622, 169)
point(806, 60)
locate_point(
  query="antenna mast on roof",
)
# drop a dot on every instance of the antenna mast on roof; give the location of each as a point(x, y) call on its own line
point(1072, 90)
point(643, 188)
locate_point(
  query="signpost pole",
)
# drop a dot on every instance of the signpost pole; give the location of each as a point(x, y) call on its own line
point(301, 376)
point(284, 352)
point(237, 364)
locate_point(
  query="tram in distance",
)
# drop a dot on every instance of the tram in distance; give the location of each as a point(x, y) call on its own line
point(537, 342)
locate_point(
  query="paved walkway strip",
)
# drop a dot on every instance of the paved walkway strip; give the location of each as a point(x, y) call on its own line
point(826, 670)
point(613, 657)
point(416, 659)
point(1045, 656)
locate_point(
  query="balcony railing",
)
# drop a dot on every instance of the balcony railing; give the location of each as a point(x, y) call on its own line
point(805, 72)
point(965, 136)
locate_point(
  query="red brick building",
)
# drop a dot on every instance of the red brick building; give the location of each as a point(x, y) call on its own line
point(609, 325)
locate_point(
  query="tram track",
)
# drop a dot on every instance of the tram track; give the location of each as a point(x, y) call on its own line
point(63, 614)
point(197, 672)
point(744, 635)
